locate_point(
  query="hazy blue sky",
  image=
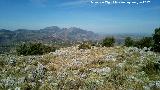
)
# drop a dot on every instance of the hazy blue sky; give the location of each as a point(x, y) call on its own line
point(114, 18)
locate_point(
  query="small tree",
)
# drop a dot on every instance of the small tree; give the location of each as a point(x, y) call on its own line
point(108, 42)
point(129, 42)
point(156, 39)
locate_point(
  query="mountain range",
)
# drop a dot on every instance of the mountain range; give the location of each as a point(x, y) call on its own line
point(55, 34)
point(48, 34)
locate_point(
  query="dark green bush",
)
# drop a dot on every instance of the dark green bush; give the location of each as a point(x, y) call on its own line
point(129, 42)
point(108, 42)
point(153, 42)
point(33, 49)
point(156, 39)
point(144, 42)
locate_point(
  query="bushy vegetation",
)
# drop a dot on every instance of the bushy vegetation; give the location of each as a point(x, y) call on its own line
point(129, 41)
point(144, 42)
point(108, 42)
point(156, 38)
point(33, 49)
point(149, 42)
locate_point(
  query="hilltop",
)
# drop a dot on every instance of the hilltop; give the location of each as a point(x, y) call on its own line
point(98, 68)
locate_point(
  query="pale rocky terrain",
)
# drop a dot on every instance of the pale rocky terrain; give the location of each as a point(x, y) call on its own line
point(98, 68)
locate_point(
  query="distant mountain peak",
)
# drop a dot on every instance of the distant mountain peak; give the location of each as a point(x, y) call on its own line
point(4, 30)
point(74, 28)
point(52, 27)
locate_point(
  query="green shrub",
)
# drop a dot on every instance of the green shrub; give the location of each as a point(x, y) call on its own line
point(84, 46)
point(156, 39)
point(129, 42)
point(33, 49)
point(144, 42)
point(108, 42)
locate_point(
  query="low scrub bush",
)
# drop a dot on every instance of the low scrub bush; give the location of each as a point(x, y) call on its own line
point(152, 68)
point(33, 49)
point(84, 46)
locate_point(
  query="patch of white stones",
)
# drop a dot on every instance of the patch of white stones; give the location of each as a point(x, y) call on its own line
point(101, 71)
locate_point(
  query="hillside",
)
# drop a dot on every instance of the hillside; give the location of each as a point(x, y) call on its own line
point(98, 68)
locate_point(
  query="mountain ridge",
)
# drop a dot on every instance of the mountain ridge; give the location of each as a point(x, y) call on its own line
point(52, 33)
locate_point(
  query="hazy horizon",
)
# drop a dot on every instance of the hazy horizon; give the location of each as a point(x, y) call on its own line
point(99, 18)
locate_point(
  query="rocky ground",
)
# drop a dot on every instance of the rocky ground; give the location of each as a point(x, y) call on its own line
point(98, 68)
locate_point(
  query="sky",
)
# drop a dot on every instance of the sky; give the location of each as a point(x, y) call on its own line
point(85, 14)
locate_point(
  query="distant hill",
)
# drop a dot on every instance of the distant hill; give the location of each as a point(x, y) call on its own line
point(48, 34)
